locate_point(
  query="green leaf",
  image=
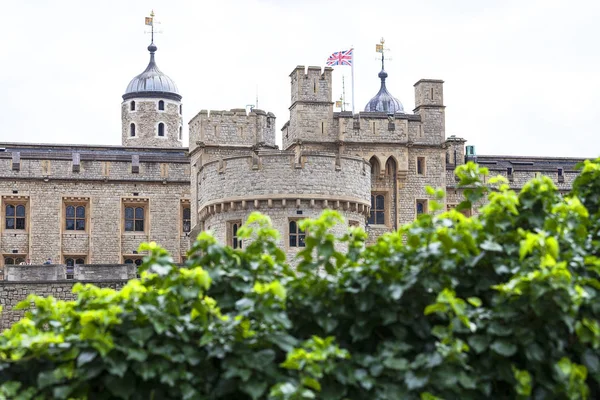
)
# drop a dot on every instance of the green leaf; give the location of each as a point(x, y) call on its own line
point(415, 381)
point(400, 364)
point(254, 388)
point(504, 348)
point(85, 357)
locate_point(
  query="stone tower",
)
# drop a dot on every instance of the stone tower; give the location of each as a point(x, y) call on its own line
point(151, 112)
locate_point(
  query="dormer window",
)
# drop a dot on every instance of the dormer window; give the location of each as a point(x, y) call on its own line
point(161, 105)
point(132, 130)
point(161, 129)
point(132, 106)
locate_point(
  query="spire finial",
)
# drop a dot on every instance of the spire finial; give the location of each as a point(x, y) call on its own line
point(380, 49)
point(150, 22)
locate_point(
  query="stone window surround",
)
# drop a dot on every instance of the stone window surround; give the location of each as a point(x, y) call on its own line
point(164, 103)
point(425, 206)
point(74, 257)
point(230, 236)
point(386, 208)
point(297, 233)
point(185, 203)
point(424, 166)
point(136, 131)
point(75, 201)
point(156, 130)
point(180, 134)
point(135, 202)
point(15, 200)
point(132, 106)
point(14, 257)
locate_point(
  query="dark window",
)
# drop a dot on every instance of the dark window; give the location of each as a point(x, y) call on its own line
point(75, 218)
point(136, 261)
point(132, 106)
point(236, 242)
point(9, 261)
point(161, 129)
point(560, 172)
point(421, 165)
point(297, 235)
point(161, 105)
point(180, 109)
point(180, 133)
point(377, 216)
point(132, 130)
point(134, 219)
point(15, 216)
point(421, 207)
point(186, 214)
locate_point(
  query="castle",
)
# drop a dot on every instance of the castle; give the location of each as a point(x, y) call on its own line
point(85, 209)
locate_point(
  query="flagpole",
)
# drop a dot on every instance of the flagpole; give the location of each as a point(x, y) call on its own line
point(352, 80)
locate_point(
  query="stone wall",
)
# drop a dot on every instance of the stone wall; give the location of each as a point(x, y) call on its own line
point(146, 118)
point(11, 293)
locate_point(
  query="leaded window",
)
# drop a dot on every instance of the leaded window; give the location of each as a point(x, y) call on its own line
point(134, 219)
point(186, 220)
point(75, 218)
point(14, 216)
point(377, 216)
point(297, 236)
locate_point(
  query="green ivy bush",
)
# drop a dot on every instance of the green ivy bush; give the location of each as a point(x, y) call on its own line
point(504, 305)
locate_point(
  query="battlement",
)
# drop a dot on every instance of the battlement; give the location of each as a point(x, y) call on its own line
point(233, 127)
point(312, 84)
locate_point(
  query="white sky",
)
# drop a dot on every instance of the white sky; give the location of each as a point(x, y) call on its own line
point(522, 77)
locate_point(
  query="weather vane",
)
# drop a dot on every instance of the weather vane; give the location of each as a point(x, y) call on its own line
point(380, 49)
point(149, 21)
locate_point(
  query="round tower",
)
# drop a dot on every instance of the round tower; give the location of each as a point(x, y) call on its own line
point(151, 112)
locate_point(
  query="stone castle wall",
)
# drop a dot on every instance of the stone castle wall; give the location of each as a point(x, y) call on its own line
point(146, 118)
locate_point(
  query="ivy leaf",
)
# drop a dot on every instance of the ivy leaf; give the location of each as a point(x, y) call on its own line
point(504, 348)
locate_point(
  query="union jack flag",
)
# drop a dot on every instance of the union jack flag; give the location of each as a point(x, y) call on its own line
point(340, 58)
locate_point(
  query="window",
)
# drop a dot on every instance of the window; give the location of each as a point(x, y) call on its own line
point(132, 106)
point(180, 133)
point(161, 105)
point(377, 216)
point(421, 207)
point(232, 235)
point(186, 216)
point(14, 260)
point(14, 217)
point(296, 235)
point(132, 130)
point(75, 217)
point(375, 167)
point(537, 175)
point(70, 263)
point(134, 219)
point(161, 129)
point(180, 109)
point(390, 167)
point(421, 165)
point(137, 261)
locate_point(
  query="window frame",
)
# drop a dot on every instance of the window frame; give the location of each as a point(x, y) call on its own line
point(185, 205)
point(425, 203)
point(421, 166)
point(299, 235)
point(233, 240)
point(373, 209)
point(164, 130)
point(74, 203)
point(161, 103)
point(132, 105)
point(132, 129)
point(135, 203)
point(16, 202)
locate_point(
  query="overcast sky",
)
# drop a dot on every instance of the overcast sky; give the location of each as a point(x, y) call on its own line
point(521, 77)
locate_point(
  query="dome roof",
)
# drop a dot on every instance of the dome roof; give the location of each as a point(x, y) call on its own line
point(152, 82)
point(383, 100)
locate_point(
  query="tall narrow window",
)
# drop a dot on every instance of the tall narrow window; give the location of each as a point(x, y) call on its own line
point(161, 105)
point(421, 165)
point(377, 216)
point(297, 236)
point(180, 109)
point(234, 241)
point(161, 129)
point(421, 207)
point(431, 93)
point(132, 130)
point(375, 167)
point(186, 219)
point(180, 133)
point(322, 127)
point(75, 218)
point(132, 105)
point(14, 216)
point(390, 167)
point(134, 219)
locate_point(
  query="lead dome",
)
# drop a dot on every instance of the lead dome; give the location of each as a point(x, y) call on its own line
point(383, 100)
point(152, 82)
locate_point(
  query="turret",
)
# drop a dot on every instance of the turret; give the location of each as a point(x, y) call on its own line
point(429, 104)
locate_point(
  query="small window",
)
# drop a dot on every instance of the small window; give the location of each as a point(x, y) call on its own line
point(134, 219)
point(186, 219)
point(421, 165)
point(161, 129)
point(297, 236)
point(132, 130)
point(234, 241)
point(560, 172)
point(180, 109)
point(75, 217)
point(14, 217)
point(180, 133)
point(131, 260)
point(509, 171)
point(421, 207)
point(537, 175)
point(377, 216)
point(132, 106)
point(14, 260)
point(161, 105)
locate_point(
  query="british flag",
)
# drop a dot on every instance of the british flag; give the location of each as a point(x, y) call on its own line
point(340, 58)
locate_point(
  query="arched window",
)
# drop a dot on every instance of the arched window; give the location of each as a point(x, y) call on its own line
point(297, 236)
point(236, 242)
point(75, 218)
point(186, 223)
point(161, 105)
point(421, 207)
point(161, 129)
point(180, 133)
point(9, 261)
point(375, 167)
point(136, 261)
point(132, 130)
point(134, 219)
point(377, 216)
point(132, 105)
point(390, 167)
point(14, 216)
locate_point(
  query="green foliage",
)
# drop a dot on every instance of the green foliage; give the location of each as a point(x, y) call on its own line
point(502, 305)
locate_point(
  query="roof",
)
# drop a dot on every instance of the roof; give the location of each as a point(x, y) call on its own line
point(383, 100)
